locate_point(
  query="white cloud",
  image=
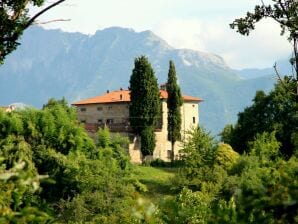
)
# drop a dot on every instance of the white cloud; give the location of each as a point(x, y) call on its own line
point(261, 49)
point(196, 24)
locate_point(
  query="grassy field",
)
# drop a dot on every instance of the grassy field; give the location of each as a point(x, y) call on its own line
point(157, 181)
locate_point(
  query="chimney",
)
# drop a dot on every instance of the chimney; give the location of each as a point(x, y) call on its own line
point(108, 91)
point(121, 88)
point(163, 86)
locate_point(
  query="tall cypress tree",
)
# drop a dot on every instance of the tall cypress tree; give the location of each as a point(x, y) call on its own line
point(174, 104)
point(144, 109)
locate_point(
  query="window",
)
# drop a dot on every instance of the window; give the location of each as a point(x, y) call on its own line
point(83, 109)
point(99, 108)
point(193, 105)
point(100, 121)
point(109, 107)
point(110, 121)
point(83, 121)
point(169, 154)
point(193, 120)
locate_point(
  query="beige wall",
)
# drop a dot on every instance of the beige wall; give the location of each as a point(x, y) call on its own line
point(94, 112)
point(119, 112)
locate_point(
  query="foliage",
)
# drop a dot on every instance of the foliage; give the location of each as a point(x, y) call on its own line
point(85, 183)
point(284, 12)
point(276, 111)
point(148, 141)
point(144, 110)
point(198, 151)
point(225, 156)
point(105, 195)
point(19, 186)
point(259, 187)
point(187, 207)
point(114, 145)
point(146, 212)
point(226, 133)
point(174, 103)
point(14, 19)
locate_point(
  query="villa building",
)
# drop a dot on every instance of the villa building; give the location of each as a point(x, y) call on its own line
point(112, 110)
point(8, 109)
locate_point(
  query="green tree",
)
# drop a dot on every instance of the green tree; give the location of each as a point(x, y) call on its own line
point(145, 107)
point(174, 104)
point(276, 111)
point(14, 19)
point(284, 12)
point(84, 184)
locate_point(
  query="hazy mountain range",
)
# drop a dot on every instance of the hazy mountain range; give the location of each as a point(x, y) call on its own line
point(52, 63)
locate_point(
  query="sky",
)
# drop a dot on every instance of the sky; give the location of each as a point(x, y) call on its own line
point(196, 24)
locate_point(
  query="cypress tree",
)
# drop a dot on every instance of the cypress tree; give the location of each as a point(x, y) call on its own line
point(144, 109)
point(174, 104)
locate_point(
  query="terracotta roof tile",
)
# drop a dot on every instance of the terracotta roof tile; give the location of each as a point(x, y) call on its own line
point(124, 96)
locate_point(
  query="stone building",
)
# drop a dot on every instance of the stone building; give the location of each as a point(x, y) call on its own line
point(8, 109)
point(112, 110)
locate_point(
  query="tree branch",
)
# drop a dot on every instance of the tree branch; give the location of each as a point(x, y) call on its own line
point(51, 21)
point(42, 12)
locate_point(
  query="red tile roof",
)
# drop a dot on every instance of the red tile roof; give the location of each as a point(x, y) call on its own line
point(124, 96)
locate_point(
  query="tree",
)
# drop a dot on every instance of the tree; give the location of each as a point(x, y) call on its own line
point(144, 110)
point(276, 111)
point(14, 19)
point(174, 104)
point(285, 13)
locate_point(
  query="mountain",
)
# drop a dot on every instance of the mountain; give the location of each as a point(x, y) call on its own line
point(52, 63)
point(283, 66)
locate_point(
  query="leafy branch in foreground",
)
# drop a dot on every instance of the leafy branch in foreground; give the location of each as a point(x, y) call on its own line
point(285, 13)
point(14, 19)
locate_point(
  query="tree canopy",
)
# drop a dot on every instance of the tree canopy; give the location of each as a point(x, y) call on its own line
point(276, 111)
point(174, 103)
point(14, 19)
point(145, 107)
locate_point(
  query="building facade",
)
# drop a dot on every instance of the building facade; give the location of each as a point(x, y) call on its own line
point(112, 110)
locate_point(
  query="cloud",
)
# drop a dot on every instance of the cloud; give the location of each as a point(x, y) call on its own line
point(261, 49)
point(196, 24)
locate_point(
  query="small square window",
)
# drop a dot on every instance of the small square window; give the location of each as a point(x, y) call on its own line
point(100, 121)
point(83, 109)
point(83, 121)
point(193, 105)
point(99, 108)
point(109, 107)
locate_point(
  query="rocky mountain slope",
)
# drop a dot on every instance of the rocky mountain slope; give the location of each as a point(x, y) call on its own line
point(52, 63)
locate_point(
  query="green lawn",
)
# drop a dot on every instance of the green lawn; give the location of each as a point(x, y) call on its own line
point(157, 181)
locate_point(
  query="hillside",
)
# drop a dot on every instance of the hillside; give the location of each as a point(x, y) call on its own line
point(52, 63)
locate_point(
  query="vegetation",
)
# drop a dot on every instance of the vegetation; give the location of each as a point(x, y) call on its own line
point(51, 171)
point(79, 181)
point(174, 103)
point(284, 12)
point(144, 110)
point(276, 111)
point(14, 19)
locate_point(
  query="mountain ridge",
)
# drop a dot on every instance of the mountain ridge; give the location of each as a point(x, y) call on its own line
point(78, 66)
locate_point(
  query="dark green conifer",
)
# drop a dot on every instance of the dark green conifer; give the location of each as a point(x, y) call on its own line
point(144, 110)
point(174, 104)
